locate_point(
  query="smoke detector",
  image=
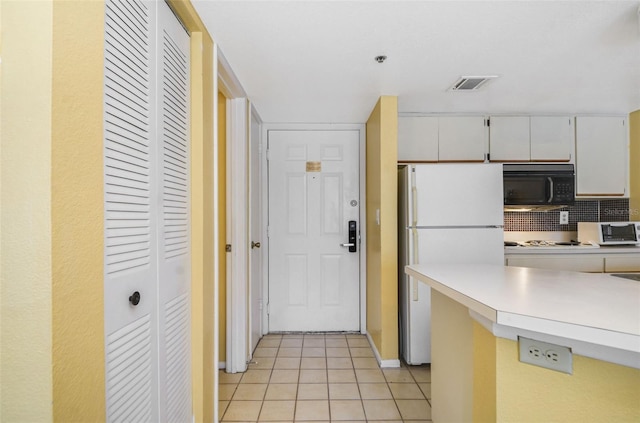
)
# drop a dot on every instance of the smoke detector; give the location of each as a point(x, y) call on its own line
point(471, 83)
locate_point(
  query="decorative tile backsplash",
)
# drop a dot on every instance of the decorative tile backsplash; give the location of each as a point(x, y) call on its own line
point(582, 211)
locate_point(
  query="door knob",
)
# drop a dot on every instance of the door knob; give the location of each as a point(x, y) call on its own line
point(255, 245)
point(134, 299)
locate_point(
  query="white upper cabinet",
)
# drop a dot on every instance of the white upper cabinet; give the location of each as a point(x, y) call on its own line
point(462, 138)
point(535, 138)
point(552, 138)
point(601, 156)
point(441, 138)
point(417, 139)
point(509, 139)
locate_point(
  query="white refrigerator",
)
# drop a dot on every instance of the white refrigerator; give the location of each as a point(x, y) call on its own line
point(447, 214)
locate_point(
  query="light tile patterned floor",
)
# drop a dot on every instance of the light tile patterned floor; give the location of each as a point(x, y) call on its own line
point(323, 378)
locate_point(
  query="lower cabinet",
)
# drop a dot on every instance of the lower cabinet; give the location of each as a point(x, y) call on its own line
point(594, 263)
point(622, 263)
point(570, 262)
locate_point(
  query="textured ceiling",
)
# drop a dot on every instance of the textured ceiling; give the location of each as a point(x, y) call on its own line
point(313, 61)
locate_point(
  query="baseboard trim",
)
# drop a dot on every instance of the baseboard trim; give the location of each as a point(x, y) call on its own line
point(385, 364)
point(222, 365)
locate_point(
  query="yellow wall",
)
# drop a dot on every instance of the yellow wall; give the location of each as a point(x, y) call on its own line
point(597, 391)
point(634, 167)
point(25, 212)
point(222, 225)
point(484, 375)
point(51, 286)
point(382, 240)
point(77, 212)
point(452, 358)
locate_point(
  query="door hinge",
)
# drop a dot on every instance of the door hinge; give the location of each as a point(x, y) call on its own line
point(267, 232)
point(227, 248)
point(268, 308)
point(487, 122)
point(267, 154)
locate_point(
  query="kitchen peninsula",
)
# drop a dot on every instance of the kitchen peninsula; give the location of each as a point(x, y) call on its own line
point(478, 313)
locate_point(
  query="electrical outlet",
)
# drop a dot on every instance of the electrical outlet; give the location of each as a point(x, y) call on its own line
point(564, 217)
point(544, 354)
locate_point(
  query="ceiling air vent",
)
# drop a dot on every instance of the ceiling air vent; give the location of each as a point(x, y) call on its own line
point(471, 83)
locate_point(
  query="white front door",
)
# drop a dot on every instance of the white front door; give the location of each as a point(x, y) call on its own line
point(313, 195)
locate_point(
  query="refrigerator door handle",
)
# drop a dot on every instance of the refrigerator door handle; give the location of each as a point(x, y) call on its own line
point(414, 284)
point(414, 200)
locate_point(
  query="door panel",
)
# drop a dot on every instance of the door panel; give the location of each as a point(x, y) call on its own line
point(174, 276)
point(465, 194)
point(313, 194)
point(255, 216)
point(130, 214)
point(147, 257)
point(461, 245)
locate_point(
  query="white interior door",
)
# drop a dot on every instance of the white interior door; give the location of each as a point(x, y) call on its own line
point(313, 195)
point(174, 253)
point(147, 231)
point(130, 274)
point(255, 232)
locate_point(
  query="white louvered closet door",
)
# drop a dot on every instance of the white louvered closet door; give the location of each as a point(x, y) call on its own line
point(146, 227)
point(130, 213)
point(174, 261)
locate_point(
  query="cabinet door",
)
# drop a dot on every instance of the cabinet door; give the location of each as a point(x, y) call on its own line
point(567, 262)
point(462, 138)
point(509, 139)
point(552, 138)
point(622, 263)
point(417, 139)
point(601, 156)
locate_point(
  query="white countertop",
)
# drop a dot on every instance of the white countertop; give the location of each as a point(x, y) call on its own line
point(590, 311)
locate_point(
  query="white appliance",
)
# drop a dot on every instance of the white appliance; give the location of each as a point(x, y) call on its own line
point(448, 213)
point(609, 233)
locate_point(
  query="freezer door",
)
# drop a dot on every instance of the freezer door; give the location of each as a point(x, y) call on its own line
point(457, 194)
point(461, 246)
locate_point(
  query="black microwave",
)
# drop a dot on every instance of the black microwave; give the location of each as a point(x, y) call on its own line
point(538, 186)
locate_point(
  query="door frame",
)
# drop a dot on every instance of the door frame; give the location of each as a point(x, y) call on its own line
point(361, 128)
point(237, 298)
point(237, 235)
point(254, 115)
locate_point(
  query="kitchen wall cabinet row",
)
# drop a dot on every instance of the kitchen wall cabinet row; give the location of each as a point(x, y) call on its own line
point(597, 145)
point(594, 263)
